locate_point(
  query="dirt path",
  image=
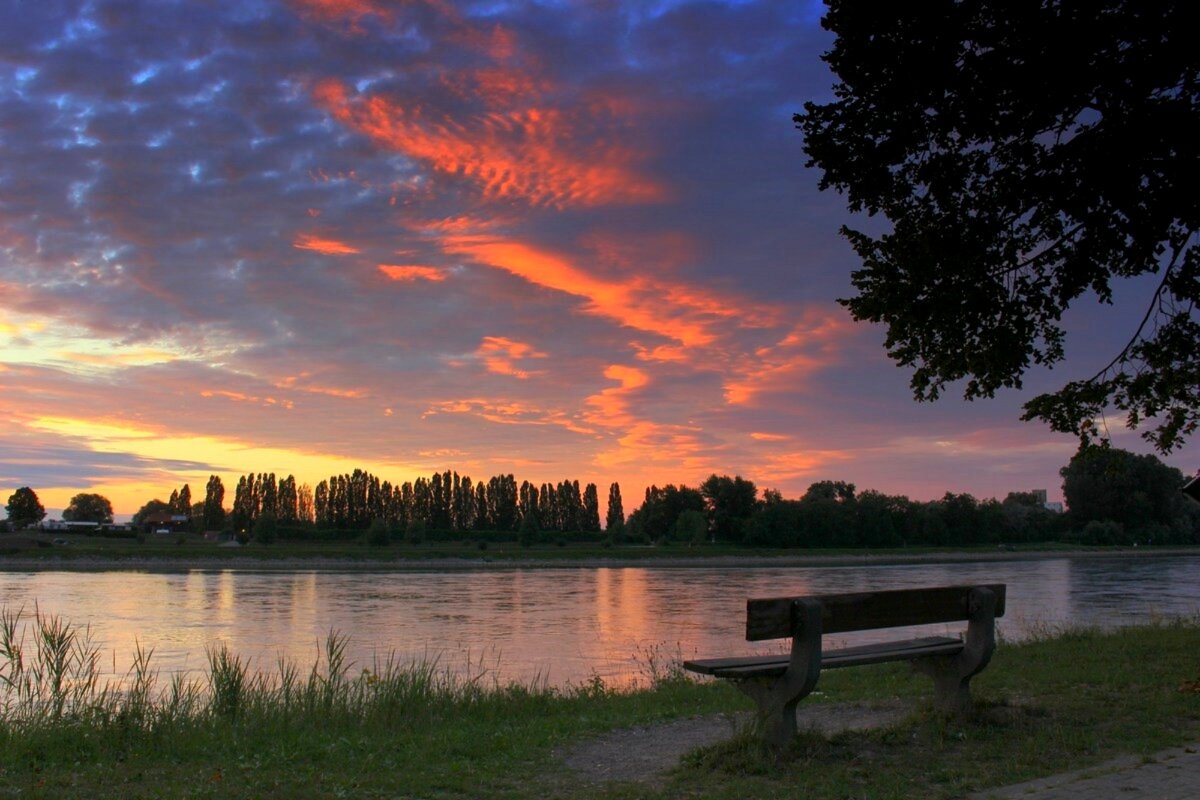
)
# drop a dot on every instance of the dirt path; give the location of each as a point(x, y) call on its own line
point(647, 753)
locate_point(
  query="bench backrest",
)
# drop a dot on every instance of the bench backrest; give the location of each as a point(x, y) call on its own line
point(771, 618)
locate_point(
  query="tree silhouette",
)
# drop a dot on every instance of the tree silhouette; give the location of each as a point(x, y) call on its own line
point(214, 504)
point(24, 508)
point(614, 519)
point(88, 507)
point(1026, 155)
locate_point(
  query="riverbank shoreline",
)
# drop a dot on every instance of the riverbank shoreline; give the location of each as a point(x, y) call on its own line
point(262, 562)
point(407, 733)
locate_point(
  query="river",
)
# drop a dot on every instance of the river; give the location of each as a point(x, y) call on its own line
point(559, 626)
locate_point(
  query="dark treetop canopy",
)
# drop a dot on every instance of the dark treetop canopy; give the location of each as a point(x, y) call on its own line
point(1025, 154)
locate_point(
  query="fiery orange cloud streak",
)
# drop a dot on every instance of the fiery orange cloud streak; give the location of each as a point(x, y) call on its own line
point(636, 303)
point(526, 153)
point(411, 272)
point(329, 247)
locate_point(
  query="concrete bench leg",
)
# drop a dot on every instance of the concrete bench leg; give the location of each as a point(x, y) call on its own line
point(951, 691)
point(776, 711)
point(777, 698)
point(952, 674)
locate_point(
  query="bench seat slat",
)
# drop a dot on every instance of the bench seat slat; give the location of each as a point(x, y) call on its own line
point(766, 666)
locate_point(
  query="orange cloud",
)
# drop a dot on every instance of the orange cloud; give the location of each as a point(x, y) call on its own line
point(778, 467)
point(239, 397)
point(535, 152)
point(500, 355)
point(349, 11)
point(811, 344)
point(668, 449)
point(498, 42)
point(329, 247)
point(611, 405)
point(411, 272)
point(508, 413)
point(354, 10)
point(637, 303)
point(640, 443)
point(302, 383)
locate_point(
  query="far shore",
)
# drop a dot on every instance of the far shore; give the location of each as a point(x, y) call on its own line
point(260, 561)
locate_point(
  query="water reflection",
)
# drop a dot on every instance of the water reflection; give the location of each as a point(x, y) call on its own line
point(558, 625)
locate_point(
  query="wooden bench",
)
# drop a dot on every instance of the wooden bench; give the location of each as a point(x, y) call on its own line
point(778, 683)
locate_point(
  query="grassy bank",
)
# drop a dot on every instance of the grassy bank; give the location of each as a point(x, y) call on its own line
point(85, 552)
point(413, 731)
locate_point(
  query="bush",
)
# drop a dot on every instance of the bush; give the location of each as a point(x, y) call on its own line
point(378, 534)
point(691, 527)
point(530, 532)
point(266, 529)
point(1104, 532)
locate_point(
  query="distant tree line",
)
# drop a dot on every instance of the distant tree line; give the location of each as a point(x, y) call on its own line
point(448, 502)
point(444, 502)
point(1114, 497)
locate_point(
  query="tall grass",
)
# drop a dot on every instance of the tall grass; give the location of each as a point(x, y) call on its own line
point(62, 676)
point(50, 675)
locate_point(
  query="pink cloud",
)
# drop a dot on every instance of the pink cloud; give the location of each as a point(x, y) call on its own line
point(329, 247)
point(500, 355)
point(412, 272)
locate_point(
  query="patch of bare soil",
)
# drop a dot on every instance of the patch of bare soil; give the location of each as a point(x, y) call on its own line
point(645, 753)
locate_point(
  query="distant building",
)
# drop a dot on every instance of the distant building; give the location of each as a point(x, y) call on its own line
point(166, 522)
point(60, 525)
point(1050, 505)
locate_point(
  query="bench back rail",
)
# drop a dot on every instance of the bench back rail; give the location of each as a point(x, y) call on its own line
point(776, 617)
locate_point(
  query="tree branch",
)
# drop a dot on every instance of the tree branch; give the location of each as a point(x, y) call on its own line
point(1155, 303)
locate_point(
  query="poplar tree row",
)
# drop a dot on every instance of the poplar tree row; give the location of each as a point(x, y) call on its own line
point(447, 501)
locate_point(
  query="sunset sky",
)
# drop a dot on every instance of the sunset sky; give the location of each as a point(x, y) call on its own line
point(562, 240)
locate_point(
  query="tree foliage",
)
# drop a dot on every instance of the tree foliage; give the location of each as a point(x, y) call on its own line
point(89, 507)
point(154, 506)
point(1026, 155)
point(24, 508)
point(655, 519)
point(730, 503)
point(214, 504)
point(1137, 492)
